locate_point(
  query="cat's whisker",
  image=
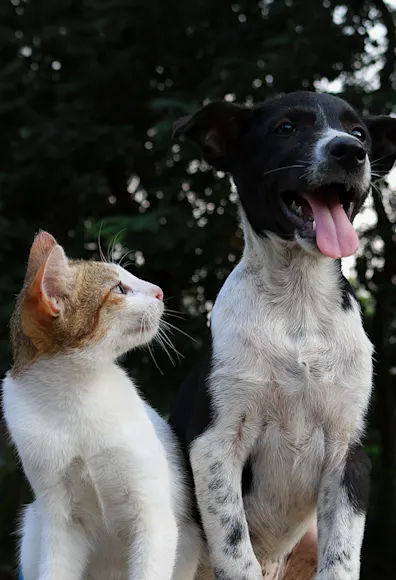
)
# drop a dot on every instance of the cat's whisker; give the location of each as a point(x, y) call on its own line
point(169, 325)
point(101, 254)
point(113, 245)
point(171, 315)
point(168, 298)
point(110, 250)
point(142, 324)
point(165, 341)
point(128, 253)
point(108, 260)
point(163, 346)
point(174, 311)
point(168, 341)
point(153, 357)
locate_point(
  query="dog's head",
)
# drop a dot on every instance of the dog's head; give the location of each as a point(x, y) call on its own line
point(302, 163)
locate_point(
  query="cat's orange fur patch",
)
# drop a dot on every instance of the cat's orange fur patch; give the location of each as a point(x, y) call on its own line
point(38, 326)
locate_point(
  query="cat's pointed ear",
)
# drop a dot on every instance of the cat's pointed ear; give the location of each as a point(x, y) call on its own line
point(51, 284)
point(41, 248)
point(216, 128)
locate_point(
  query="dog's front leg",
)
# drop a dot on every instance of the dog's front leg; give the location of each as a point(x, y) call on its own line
point(341, 517)
point(217, 458)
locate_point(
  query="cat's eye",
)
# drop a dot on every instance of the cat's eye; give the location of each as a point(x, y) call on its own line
point(120, 289)
point(286, 128)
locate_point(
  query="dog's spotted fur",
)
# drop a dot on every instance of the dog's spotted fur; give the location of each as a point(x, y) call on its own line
point(273, 420)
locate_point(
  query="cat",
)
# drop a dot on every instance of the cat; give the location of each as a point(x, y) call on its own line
point(111, 501)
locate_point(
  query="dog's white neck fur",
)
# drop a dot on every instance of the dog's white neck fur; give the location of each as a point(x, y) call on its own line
point(303, 284)
point(282, 263)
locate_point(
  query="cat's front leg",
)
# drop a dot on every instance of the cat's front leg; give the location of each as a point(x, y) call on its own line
point(136, 504)
point(341, 517)
point(64, 549)
point(153, 551)
point(217, 458)
point(189, 549)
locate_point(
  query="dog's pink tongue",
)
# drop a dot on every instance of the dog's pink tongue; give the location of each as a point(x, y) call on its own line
point(335, 234)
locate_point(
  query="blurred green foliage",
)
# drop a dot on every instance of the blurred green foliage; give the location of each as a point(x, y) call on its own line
point(89, 90)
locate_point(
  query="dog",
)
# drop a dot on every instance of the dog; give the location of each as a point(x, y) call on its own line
point(272, 419)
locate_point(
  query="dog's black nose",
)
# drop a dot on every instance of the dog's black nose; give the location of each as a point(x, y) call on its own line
point(347, 152)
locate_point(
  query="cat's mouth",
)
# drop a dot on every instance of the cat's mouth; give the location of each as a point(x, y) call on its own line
point(145, 328)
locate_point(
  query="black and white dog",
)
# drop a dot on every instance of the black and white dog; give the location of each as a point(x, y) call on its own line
point(272, 419)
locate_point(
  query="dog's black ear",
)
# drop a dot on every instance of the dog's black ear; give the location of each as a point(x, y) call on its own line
point(216, 129)
point(383, 136)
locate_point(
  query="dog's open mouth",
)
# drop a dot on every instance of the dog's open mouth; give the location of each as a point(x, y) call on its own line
point(325, 213)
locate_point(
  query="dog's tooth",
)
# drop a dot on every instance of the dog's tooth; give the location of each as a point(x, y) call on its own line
point(294, 206)
point(299, 211)
point(314, 225)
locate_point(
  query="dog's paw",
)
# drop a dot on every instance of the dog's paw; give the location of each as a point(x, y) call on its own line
point(337, 574)
point(251, 571)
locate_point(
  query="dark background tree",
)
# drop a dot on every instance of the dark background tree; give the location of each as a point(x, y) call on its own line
point(88, 93)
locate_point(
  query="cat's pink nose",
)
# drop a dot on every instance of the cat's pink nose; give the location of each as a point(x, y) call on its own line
point(159, 294)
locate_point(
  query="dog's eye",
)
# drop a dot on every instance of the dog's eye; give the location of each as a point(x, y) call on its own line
point(119, 289)
point(358, 133)
point(285, 128)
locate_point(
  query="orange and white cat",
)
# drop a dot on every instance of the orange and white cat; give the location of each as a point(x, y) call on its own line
point(110, 495)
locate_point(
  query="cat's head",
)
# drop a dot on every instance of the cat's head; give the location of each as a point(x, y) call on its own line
point(81, 307)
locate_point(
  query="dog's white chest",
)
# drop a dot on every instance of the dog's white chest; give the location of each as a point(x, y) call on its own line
point(302, 371)
point(303, 359)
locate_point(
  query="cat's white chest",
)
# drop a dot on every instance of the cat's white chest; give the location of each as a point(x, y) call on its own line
point(84, 449)
point(99, 491)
